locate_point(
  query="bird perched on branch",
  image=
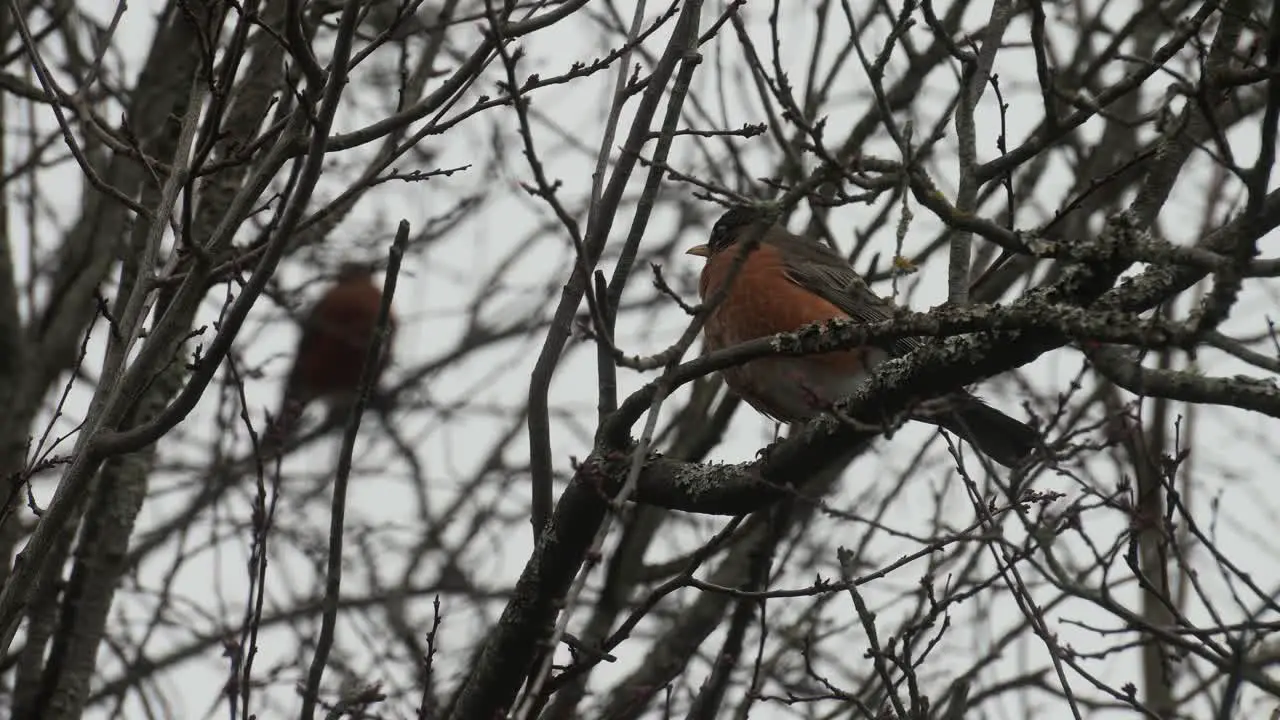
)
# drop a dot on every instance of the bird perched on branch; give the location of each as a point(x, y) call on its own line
point(786, 282)
point(335, 341)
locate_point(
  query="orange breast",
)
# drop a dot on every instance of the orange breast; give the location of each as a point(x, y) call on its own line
point(762, 301)
point(336, 338)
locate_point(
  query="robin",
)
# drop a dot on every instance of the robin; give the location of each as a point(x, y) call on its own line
point(785, 282)
point(331, 352)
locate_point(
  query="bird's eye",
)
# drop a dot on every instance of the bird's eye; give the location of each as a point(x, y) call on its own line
point(717, 239)
point(719, 236)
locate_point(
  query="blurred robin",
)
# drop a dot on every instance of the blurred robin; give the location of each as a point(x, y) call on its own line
point(331, 353)
point(785, 282)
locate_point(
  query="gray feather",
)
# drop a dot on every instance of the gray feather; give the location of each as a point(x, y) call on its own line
point(825, 273)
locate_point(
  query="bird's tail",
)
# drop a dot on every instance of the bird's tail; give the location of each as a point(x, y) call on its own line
point(1000, 437)
point(282, 427)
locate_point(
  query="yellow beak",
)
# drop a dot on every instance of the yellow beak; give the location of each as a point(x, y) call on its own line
point(699, 250)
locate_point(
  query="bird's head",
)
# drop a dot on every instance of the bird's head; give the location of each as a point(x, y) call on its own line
point(728, 229)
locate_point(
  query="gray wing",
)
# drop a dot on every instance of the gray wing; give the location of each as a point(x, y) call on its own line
point(824, 272)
